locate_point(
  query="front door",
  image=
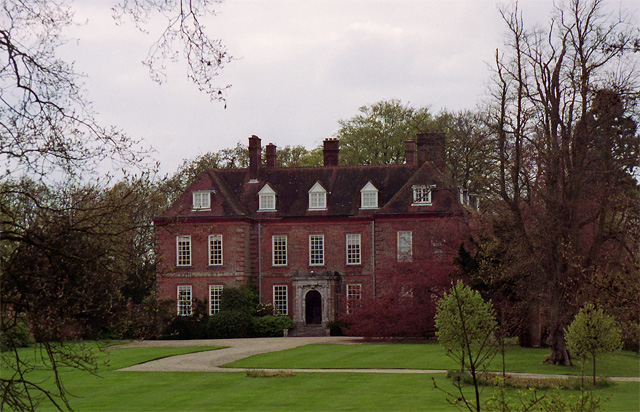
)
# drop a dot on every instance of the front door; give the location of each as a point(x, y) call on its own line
point(313, 305)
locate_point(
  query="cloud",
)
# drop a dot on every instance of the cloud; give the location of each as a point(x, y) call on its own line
point(302, 66)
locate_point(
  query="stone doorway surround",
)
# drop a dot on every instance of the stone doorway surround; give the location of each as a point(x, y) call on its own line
point(326, 283)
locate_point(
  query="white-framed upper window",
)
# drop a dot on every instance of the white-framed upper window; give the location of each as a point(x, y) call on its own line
point(280, 300)
point(316, 250)
point(353, 249)
point(183, 300)
point(317, 197)
point(405, 246)
point(267, 199)
point(279, 250)
point(421, 195)
point(215, 296)
point(183, 250)
point(354, 294)
point(202, 200)
point(369, 197)
point(215, 250)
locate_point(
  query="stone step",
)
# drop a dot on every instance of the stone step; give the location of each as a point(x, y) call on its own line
point(308, 330)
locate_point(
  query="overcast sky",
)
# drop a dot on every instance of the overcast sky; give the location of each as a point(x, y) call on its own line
point(300, 67)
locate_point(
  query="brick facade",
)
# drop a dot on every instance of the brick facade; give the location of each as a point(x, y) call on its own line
point(316, 291)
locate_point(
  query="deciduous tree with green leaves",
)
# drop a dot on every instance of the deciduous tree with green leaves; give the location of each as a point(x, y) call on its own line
point(592, 333)
point(377, 135)
point(465, 326)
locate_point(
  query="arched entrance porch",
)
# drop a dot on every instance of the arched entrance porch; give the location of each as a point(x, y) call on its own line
point(314, 302)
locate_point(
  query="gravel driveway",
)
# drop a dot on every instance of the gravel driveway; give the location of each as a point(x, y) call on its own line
point(236, 349)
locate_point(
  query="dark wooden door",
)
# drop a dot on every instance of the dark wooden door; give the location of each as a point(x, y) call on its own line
point(313, 304)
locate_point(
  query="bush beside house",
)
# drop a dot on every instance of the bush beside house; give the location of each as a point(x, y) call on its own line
point(240, 316)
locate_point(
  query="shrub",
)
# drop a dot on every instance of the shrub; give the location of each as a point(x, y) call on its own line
point(405, 310)
point(337, 327)
point(269, 374)
point(264, 309)
point(189, 327)
point(271, 326)
point(228, 324)
point(15, 336)
point(243, 298)
point(182, 327)
point(148, 319)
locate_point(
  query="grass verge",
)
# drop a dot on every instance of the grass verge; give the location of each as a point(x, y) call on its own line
point(425, 356)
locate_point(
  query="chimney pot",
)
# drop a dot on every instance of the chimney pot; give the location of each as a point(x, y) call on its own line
point(331, 151)
point(270, 152)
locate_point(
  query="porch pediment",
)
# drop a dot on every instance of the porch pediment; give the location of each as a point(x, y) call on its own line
point(305, 276)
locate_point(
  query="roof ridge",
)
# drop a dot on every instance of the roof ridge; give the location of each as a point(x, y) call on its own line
point(320, 167)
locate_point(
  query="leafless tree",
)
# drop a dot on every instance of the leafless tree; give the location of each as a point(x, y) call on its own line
point(564, 123)
point(205, 57)
point(67, 236)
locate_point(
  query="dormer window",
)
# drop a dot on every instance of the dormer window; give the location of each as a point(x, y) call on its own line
point(267, 199)
point(421, 195)
point(202, 200)
point(317, 197)
point(369, 197)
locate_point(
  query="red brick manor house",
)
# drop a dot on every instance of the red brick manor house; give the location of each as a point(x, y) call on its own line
point(313, 239)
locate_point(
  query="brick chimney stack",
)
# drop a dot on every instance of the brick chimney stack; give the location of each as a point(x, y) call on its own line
point(270, 153)
point(255, 157)
point(410, 152)
point(431, 148)
point(331, 152)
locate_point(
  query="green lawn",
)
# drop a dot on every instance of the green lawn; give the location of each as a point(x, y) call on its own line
point(182, 391)
point(426, 356)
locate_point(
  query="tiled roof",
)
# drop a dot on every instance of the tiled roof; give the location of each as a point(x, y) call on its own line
point(235, 195)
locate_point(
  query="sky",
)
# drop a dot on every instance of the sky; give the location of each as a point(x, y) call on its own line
point(299, 67)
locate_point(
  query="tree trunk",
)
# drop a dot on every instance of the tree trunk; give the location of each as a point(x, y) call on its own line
point(558, 354)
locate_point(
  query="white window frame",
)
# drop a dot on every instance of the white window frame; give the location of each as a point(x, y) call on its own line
point(316, 250)
point(279, 250)
point(266, 199)
point(215, 250)
point(201, 200)
point(184, 300)
point(354, 294)
point(280, 299)
point(317, 197)
point(421, 195)
point(369, 197)
point(183, 250)
point(353, 249)
point(215, 296)
point(405, 246)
